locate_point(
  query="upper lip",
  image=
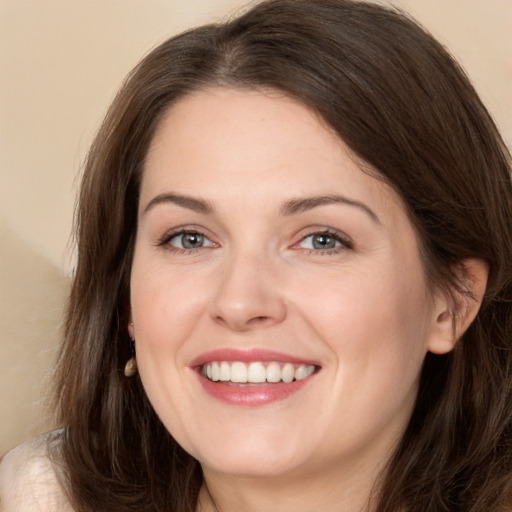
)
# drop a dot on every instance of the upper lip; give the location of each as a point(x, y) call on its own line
point(263, 355)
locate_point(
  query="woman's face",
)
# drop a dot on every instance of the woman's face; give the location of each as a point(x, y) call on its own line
point(264, 253)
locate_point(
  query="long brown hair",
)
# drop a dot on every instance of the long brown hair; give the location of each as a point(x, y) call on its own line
point(403, 105)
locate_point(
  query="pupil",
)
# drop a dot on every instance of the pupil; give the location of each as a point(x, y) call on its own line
point(191, 240)
point(323, 242)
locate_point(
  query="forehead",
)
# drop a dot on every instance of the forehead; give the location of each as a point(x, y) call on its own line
point(225, 142)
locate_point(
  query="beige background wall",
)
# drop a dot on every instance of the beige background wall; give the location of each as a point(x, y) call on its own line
point(61, 62)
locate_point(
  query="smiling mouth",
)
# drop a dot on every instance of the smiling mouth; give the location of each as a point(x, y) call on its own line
point(256, 372)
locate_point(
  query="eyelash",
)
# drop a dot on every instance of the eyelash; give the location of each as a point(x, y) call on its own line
point(337, 236)
point(342, 239)
point(165, 241)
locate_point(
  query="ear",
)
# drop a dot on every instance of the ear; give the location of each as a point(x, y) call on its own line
point(454, 312)
point(131, 329)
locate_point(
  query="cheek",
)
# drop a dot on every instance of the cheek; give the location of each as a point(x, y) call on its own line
point(165, 306)
point(376, 325)
point(381, 304)
point(163, 322)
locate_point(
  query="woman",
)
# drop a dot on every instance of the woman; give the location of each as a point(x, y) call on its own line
point(294, 282)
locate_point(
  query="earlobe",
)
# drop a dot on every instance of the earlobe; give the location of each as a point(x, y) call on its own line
point(455, 311)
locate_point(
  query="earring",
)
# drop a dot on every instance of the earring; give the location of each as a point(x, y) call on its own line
point(130, 368)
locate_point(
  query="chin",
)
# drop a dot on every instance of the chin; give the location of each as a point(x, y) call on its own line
point(254, 465)
point(253, 455)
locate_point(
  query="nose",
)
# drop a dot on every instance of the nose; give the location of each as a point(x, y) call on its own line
point(248, 296)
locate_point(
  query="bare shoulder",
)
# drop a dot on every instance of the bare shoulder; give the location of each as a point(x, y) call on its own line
point(28, 481)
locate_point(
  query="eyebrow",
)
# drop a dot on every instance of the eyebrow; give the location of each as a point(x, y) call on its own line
point(292, 207)
point(301, 205)
point(192, 203)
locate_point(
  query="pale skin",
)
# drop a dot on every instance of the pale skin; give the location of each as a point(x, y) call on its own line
point(289, 247)
point(259, 230)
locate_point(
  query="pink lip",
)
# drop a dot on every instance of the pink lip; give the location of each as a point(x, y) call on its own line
point(249, 394)
point(246, 356)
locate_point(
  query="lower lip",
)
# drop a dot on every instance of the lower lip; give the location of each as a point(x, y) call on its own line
point(252, 394)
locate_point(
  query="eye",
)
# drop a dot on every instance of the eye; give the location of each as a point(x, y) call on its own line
point(188, 240)
point(324, 241)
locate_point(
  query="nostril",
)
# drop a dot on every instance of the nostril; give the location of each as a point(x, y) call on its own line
point(259, 319)
point(243, 324)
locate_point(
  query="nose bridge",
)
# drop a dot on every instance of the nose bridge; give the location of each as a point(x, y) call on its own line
point(248, 295)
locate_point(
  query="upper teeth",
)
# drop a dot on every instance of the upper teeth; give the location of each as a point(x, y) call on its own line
point(255, 372)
